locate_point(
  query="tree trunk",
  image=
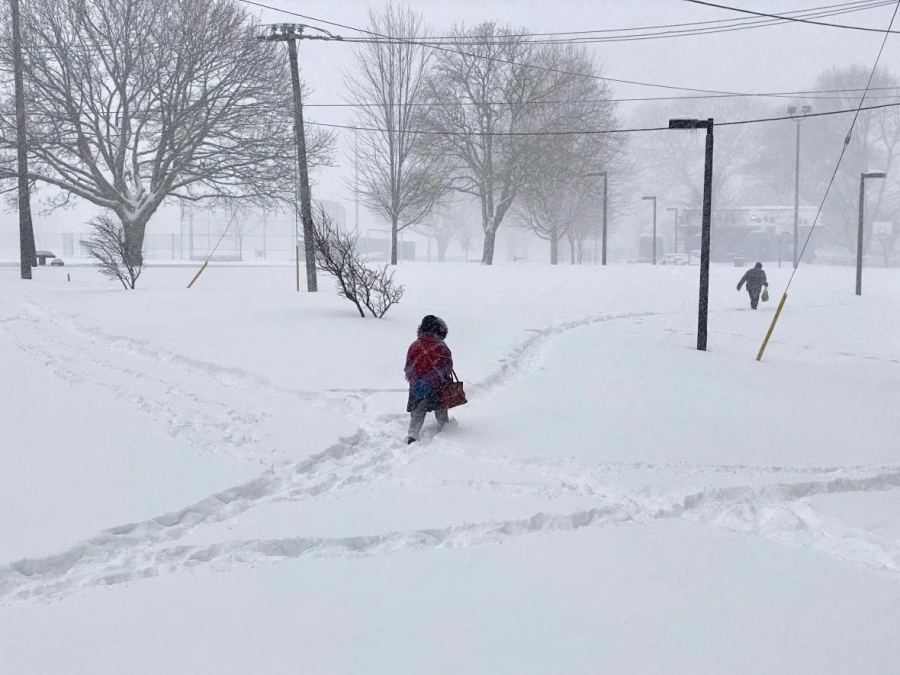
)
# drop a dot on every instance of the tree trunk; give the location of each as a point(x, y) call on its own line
point(490, 238)
point(442, 249)
point(134, 240)
point(394, 234)
point(571, 251)
point(554, 251)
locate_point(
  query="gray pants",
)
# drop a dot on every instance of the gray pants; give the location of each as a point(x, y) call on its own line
point(417, 418)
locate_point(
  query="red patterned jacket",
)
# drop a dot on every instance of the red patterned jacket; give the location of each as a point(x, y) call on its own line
point(429, 361)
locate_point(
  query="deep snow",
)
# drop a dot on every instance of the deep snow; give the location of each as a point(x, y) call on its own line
point(214, 480)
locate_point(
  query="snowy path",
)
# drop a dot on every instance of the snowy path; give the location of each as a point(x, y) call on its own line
point(234, 411)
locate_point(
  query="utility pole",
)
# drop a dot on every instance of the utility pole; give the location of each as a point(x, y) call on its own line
point(356, 184)
point(675, 239)
point(605, 175)
point(706, 236)
point(605, 214)
point(646, 199)
point(862, 211)
point(290, 33)
point(792, 110)
point(27, 253)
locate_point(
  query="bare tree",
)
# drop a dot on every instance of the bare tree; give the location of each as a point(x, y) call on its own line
point(445, 226)
point(496, 95)
point(556, 200)
point(397, 181)
point(135, 101)
point(481, 92)
point(368, 288)
point(109, 246)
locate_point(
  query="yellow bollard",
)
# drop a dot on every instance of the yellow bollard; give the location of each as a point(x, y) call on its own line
point(762, 350)
point(199, 272)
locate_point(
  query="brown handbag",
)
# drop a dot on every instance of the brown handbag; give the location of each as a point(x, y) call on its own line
point(453, 394)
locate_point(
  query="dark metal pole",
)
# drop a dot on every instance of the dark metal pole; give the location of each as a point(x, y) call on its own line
point(605, 212)
point(797, 200)
point(305, 195)
point(859, 237)
point(675, 240)
point(705, 240)
point(27, 257)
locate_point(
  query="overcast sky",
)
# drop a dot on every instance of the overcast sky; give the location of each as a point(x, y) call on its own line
point(781, 58)
point(778, 58)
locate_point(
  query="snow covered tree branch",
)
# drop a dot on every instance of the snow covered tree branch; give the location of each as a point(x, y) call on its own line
point(132, 102)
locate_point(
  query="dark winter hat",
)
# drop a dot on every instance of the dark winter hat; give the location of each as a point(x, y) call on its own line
point(758, 266)
point(434, 325)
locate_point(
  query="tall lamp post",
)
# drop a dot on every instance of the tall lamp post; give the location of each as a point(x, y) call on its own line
point(675, 239)
point(596, 174)
point(703, 311)
point(862, 209)
point(792, 110)
point(647, 199)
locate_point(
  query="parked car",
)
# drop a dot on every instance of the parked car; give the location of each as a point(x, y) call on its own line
point(675, 259)
point(57, 262)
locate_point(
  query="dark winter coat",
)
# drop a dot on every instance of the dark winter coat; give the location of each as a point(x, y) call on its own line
point(429, 368)
point(755, 280)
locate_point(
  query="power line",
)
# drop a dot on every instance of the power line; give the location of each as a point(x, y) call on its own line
point(793, 19)
point(847, 139)
point(491, 58)
point(589, 132)
point(846, 145)
point(810, 94)
point(846, 7)
point(655, 32)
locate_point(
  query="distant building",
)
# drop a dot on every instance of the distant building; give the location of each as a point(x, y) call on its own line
point(764, 233)
point(334, 210)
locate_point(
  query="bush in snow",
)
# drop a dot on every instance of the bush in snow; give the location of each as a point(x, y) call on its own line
point(108, 245)
point(369, 288)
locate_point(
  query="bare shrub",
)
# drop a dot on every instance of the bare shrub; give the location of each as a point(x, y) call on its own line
point(108, 245)
point(369, 288)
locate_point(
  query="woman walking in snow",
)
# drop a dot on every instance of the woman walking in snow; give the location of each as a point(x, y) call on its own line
point(429, 368)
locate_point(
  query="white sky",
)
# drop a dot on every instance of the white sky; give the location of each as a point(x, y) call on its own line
point(779, 58)
point(782, 58)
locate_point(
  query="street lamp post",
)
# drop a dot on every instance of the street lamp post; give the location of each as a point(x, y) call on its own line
point(647, 199)
point(703, 312)
point(675, 239)
point(859, 239)
point(792, 110)
point(605, 209)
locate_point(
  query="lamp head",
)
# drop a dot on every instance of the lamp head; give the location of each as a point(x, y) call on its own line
point(682, 123)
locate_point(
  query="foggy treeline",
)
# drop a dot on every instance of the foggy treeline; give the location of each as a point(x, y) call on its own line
point(132, 103)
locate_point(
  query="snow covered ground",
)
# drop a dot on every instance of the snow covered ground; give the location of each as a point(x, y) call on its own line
point(214, 480)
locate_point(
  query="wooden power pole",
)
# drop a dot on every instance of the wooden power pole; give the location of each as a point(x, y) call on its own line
point(290, 33)
point(27, 253)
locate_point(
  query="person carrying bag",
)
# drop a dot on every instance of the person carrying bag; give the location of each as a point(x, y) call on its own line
point(433, 385)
